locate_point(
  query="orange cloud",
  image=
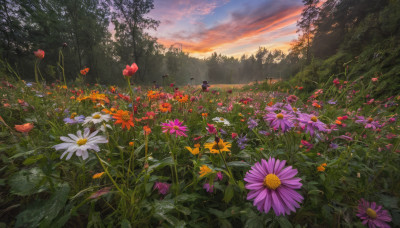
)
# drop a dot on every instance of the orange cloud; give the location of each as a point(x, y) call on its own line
point(242, 25)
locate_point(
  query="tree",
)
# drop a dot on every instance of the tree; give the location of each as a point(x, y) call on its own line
point(306, 23)
point(130, 22)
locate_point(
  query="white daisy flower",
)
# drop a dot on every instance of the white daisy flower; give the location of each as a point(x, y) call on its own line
point(221, 120)
point(97, 117)
point(80, 144)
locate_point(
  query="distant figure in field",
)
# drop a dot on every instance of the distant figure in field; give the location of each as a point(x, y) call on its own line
point(205, 86)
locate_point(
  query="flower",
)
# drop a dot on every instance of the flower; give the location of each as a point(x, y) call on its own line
point(125, 118)
point(39, 53)
point(85, 71)
point(98, 175)
point(368, 122)
point(311, 123)
point(24, 128)
point(218, 146)
point(147, 130)
point(165, 107)
point(80, 144)
point(194, 151)
point(221, 120)
point(241, 141)
point(96, 118)
point(219, 176)
point(204, 170)
point(73, 119)
point(321, 168)
point(211, 129)
point(373, 215)
point(162, 188)
point(209, 188)
point(272, 185)
point(252, 123)
point(174, 127)
point(130, 70)
point(281, 120)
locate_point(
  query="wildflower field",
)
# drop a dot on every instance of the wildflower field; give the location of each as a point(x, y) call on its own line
point(79, 155)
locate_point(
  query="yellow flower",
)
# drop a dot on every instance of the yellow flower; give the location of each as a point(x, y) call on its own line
point(321, 168)
point(98, 175)
point(193, 151)
point(215, 147)
point(204, 170)
point(197, 145)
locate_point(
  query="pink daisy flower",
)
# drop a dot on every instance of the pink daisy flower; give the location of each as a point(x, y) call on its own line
point(174, 127)
point(281, 120)
point(373, 215)
point(271, 184)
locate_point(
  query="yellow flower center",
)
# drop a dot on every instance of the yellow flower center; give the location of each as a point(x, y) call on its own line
point(97, 116)
point(222, 119)
point(294, 109)
point(370, 120)
point(371, 213)
point(126, 117)
point(218, 146)
point(271, 181)
point(314, 119)
point(176, 127)
point(73, 115)
point(279, 116)
point(81, 142)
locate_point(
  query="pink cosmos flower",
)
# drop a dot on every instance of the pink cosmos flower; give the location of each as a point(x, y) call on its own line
point(174, 127)
point(373, 215)
point(272, 185)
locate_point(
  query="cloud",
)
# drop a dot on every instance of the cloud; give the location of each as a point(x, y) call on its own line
point(250, 22)
point(168, 11)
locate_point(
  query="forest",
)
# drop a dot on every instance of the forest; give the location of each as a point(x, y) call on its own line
point(334, 37)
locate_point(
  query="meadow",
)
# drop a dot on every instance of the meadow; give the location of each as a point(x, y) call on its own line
point(259, 155)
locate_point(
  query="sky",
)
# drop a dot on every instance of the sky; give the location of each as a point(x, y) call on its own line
point(229, 27)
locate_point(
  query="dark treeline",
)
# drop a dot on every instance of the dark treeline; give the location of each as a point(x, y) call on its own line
point(331, 34)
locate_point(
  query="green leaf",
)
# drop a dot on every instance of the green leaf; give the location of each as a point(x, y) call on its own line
point(27, 182)
point(42, 213)
point(33, 159)
point(229, 192)
point(283, 222)
point(125, 224)
point(238, 164)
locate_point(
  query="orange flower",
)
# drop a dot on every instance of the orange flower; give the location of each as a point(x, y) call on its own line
point(125, 118)
point(204, 170)
point(338, 122)
point(165, 107)
point(204, 114)
point(147, 130)
point(316, 105)
point(98, 175)
point(131, 143)
point(85, 71)
point(24, 128)
point(39, 54)
point(321, 168)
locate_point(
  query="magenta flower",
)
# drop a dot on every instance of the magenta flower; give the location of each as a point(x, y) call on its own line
point(272, 185)
point(211, 129)
point(368, 122)
point(281, 120)
point(209, 188)
point(311, 123)
point(162, 188)
point(219, 176)
point(174, 127)
point(373, 215)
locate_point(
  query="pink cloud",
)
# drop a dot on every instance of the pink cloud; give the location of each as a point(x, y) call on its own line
point(247, 23)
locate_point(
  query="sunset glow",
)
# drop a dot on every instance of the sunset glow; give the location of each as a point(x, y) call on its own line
point(229, 27)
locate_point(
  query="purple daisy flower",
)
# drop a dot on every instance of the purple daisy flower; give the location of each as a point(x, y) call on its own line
point(311, 123)
point(276, 107)
point(242, 141)
point(75, 119)
point(272, 185)
point(162, 188)
point(252, 123)
point(368, 122)
point(174, 127)
point(281, 120)
point(373, 215)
